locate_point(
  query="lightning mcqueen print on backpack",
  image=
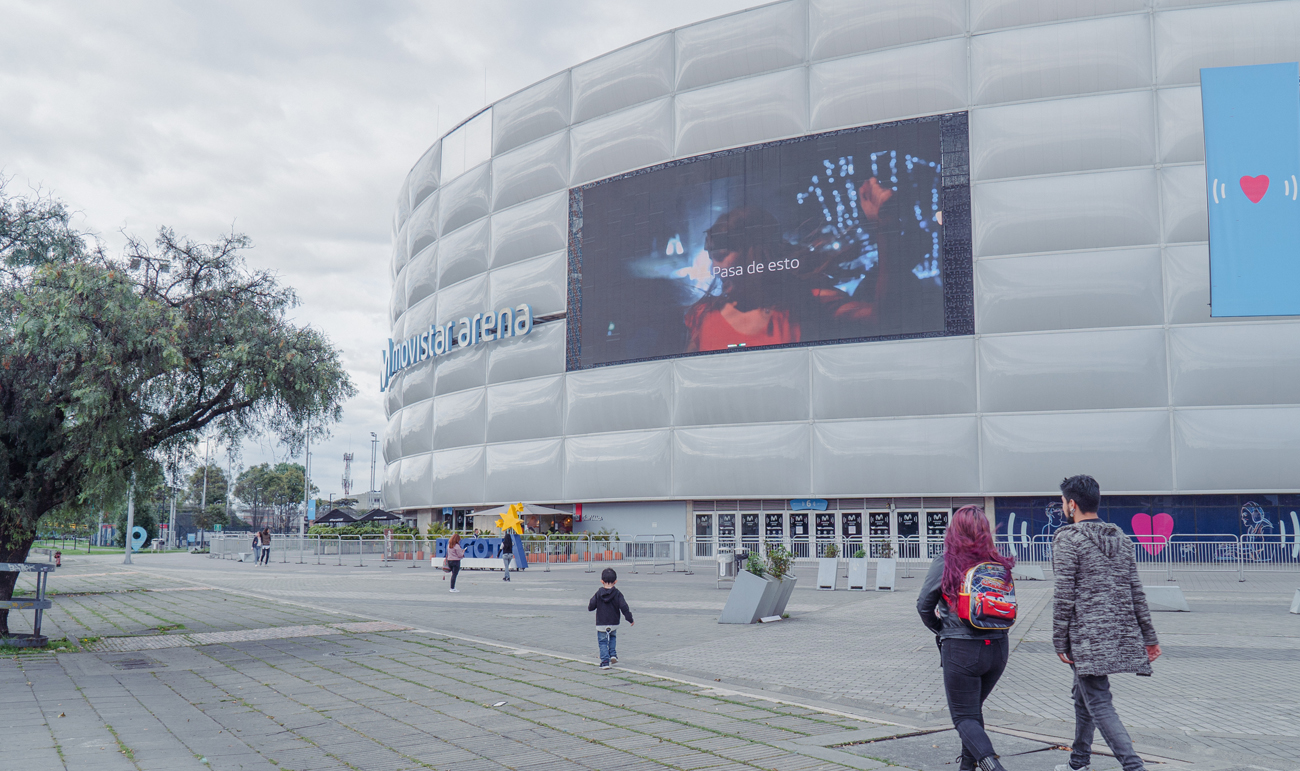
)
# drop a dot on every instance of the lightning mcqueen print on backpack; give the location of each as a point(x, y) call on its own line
point(987, 599)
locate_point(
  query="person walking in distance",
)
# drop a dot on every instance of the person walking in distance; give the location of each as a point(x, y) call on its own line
point(265, 538)
point(455, 553)
point(608, 602)
point(972, 658)
point(507, 551)
point(1101, 625)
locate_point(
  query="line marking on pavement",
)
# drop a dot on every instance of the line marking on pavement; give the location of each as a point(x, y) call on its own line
point(159, 641)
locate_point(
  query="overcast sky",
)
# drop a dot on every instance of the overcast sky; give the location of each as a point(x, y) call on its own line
point(292, 122)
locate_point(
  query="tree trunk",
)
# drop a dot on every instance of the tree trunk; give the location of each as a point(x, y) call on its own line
point(13, 548)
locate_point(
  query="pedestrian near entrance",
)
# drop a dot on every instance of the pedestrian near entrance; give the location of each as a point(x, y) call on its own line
point(507, 552)
point(265, 538)
point(455, 553)
point(1101, 625)
point(608, 602)
point(972, 659)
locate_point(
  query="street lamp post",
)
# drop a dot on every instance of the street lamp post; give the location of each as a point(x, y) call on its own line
point(306, 483)
point(374, 447)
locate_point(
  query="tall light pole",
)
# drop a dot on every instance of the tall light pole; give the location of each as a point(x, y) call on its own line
point(374, 446)
point(171, 524)
point(306, 483)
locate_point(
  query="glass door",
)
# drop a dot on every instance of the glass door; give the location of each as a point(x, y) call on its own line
point(825, 531)
point(773, 529)
point(749, 532)
point(703, 535)
point(936, 527)
point(879, 535)
point(908, 531)
point(727, 531)
point(799, 535)
point(851, 533)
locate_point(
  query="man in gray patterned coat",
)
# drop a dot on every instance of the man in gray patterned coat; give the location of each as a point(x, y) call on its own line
point(1100, 621)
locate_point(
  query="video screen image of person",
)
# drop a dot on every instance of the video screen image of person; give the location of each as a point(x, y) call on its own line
point(828, 238)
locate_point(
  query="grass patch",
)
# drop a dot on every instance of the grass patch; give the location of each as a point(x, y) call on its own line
point(169, 627)
point(53, 646)
point(121, 746)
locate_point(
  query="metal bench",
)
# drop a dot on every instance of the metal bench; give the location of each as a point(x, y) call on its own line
point(37, 603)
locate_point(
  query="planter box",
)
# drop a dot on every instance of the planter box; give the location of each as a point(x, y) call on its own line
point(886, 569)
point(597, 557)
point(784, 590)
point(828, 569)
point(750, 596)
point(618, 555)
point(858, 574)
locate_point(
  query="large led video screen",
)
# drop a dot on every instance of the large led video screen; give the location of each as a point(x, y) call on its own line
point(825, 238)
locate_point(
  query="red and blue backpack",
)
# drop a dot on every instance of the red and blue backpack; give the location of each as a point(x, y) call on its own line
point(987, 598)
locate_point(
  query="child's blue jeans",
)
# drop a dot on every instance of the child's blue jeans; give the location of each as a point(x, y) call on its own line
point(608, 639)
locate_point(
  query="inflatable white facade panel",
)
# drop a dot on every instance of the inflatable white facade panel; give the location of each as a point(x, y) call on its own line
point(1093, 352)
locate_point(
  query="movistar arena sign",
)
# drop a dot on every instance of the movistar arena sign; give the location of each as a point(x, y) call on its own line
point(442, 339)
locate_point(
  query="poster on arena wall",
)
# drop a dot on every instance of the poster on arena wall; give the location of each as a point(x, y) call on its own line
point(830, 237)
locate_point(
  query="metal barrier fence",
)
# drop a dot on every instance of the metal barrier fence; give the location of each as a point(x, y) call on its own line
point(1179, 553)
point(654, 550)
point(539, 550)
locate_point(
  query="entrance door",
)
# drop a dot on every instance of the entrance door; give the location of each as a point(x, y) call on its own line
point(726, 531)
point(879, 534)
point(799, 535)
point(703, 535)
point(909, 534)
point(774, 529)
point(936, 526)
point(749, 532)
point(851, 531)
point(825, 531)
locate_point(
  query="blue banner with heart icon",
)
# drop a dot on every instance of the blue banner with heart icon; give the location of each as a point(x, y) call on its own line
point(1252, 161)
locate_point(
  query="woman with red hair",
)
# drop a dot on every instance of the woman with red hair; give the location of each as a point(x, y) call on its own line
point(973, 659)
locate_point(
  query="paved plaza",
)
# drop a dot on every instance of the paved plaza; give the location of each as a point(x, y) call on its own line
point(190, 662)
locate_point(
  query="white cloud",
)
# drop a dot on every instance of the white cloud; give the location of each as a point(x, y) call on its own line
point(293, 122)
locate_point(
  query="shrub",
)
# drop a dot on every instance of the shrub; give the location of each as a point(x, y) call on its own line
point(755, 564)
point(360, 530)
point(779, 560)
point(832, 551)
point(859, 554)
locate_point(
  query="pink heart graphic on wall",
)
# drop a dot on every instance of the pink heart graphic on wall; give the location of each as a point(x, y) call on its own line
point(1254, 187)
point(1153, 532)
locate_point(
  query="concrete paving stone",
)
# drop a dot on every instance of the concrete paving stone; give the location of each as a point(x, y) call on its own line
point(897, 680)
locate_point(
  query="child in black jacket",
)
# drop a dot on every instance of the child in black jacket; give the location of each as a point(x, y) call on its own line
point(608, 602)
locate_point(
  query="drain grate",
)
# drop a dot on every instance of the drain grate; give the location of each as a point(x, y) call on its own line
point(355, 653)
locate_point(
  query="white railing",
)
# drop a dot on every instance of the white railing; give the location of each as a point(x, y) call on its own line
point(1179, 553)
point(585, 549)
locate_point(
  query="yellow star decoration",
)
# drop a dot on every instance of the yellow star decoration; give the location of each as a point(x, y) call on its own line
point(510, 522)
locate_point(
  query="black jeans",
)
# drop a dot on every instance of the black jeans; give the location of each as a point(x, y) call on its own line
point(455, 571)
point(970, 670)
point(1093, 710)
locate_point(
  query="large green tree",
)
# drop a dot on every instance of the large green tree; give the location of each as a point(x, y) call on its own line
point(273, 494)
point(107, 364)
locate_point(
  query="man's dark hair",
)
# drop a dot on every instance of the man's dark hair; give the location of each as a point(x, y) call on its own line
point(1084, 491)
point(609, 576)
